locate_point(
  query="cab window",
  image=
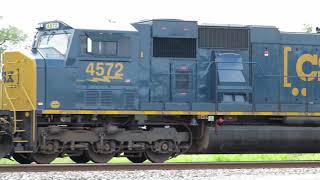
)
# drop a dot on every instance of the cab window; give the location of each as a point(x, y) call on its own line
point(54, 45)
point(105, 46)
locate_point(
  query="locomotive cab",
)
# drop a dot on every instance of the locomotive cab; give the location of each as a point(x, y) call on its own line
point(52, 40)
point(86, 68)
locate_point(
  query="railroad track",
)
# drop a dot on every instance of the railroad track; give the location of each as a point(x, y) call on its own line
point(164, 166)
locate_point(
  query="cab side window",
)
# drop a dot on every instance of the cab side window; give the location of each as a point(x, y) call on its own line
point(105, 46)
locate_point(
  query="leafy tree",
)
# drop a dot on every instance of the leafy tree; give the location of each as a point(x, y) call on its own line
point(307, 28)
point(10, 36)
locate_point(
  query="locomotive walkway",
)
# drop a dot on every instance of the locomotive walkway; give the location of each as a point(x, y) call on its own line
point(164, 166)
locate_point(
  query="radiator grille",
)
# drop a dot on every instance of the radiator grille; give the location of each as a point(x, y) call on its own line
point(174, 47)
point(223, 37)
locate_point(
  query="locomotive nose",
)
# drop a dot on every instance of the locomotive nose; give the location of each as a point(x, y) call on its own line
point(17, 100)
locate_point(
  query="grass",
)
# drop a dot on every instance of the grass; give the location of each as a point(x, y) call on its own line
point(209, 158)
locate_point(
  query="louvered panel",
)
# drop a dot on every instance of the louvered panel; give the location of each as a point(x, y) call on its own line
point(174, 47)
point(106, 98)
point(109, 99)
point(223, 37)
point(91, 98)
point(130, 99)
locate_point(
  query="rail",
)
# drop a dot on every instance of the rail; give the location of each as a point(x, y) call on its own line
point(155, 166)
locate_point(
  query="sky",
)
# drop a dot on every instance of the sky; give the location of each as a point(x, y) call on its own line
point(285, 14)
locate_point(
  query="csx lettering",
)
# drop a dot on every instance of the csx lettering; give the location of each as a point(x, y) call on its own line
point(7, 77)
point(105, 72)
point(312, 59)
point(303, 75)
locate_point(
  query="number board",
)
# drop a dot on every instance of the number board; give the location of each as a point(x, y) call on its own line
point(53, 25)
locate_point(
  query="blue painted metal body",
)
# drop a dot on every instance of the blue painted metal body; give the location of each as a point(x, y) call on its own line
point(218, 79)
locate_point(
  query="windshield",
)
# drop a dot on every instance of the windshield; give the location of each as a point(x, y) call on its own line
point(54, 45)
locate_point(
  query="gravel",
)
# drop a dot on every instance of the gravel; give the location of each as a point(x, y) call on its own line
point(231, 174)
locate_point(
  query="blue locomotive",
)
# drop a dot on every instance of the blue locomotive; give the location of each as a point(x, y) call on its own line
point(159, 89)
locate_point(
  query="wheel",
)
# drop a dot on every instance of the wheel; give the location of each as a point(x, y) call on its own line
point(6, 145)
point(22, 158)
point(136, 159)
point(82, 158)
point(41, 158)
point(156, 157)
point(98, 157)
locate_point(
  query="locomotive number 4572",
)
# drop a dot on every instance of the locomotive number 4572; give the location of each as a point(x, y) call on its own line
point(105, 72)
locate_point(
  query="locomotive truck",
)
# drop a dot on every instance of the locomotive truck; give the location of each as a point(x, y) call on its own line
point(159, 89)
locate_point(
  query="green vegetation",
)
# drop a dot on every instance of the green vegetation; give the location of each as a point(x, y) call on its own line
point(210, 158)
point(10, 36)
point(307, 28)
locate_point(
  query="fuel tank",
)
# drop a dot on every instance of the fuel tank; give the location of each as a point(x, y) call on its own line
point(262, 139)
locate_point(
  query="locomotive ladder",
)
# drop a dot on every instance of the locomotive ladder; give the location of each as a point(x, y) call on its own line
point(18, 129)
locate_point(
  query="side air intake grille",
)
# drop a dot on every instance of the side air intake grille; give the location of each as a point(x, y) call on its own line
point(106, 98)
point(91, 98)
point(174, 47)
point(223, 37)
point(130, 98)
point(110, 99)
point(98, 98)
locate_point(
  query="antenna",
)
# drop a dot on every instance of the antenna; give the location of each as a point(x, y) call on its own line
point(111, 21)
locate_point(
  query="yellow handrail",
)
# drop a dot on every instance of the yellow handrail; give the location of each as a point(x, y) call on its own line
point(13, 109)
point(28, 97)
point(33, 113)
